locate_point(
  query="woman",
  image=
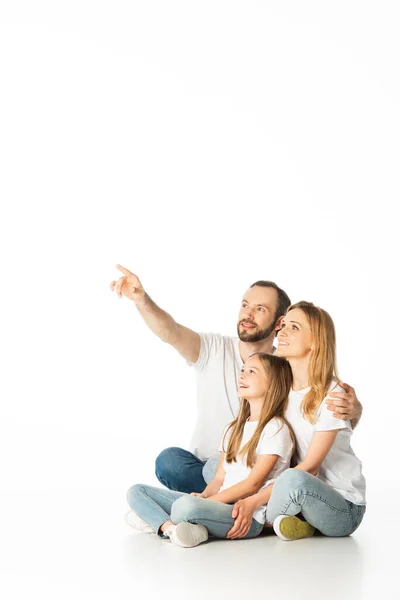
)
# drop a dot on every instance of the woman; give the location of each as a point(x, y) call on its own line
point(256, 447)
point(327, 486)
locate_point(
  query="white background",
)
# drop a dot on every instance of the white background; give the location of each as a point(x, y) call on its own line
point(204, 145)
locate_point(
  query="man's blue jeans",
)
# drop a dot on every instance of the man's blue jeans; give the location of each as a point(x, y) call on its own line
point(158, 505)
point(182, 471)
point(322, 506)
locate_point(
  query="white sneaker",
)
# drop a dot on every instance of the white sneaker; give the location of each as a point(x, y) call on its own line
point(188, 535)
point(136, 522)
point(168, 532)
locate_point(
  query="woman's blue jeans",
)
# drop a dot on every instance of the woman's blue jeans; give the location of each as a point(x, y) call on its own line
point(323, 507)
point(182, 471)
point(156, 506)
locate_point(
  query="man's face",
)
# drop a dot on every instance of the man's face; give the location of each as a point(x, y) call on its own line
point(257, 315)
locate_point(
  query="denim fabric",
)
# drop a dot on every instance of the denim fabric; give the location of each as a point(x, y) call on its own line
point(152, 504)
point(210, 467)
point(155, 506)
point(182, 471)
point(216, 516)
point(322, 506)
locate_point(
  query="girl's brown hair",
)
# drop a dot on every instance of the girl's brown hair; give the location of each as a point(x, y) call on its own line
point(322, 369)
point(279, 384)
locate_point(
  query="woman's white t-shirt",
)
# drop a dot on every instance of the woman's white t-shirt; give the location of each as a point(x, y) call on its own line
point(274, 439)
point(341, 468)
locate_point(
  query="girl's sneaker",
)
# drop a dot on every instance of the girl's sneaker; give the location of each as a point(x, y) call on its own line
point(188, 535)
point(291, 528)
point(137, 523)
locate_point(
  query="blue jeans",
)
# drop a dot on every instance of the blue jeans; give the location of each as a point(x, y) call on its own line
point(182, 471)
point(157, 505)
point(323, 507)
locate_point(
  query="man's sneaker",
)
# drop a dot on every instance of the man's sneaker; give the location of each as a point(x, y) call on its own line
point(188, 535)
point(292, 528)
point(137, 523)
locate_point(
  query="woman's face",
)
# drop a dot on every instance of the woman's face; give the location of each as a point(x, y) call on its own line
point(252, 381)
point(295, 338)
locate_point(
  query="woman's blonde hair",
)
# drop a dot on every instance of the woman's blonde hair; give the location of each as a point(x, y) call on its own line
point(322, 369)
point(279, 384)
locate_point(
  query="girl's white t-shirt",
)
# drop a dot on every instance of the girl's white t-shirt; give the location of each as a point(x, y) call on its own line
point(274, 439)
point(341, 468)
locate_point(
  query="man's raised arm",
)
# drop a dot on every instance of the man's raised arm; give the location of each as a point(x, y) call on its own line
point(184, 340)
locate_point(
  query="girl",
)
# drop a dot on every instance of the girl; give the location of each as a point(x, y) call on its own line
point(256, 447)
point(327, 486)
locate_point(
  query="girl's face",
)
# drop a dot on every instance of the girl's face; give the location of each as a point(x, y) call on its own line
point(253, 379)
point(295, 338)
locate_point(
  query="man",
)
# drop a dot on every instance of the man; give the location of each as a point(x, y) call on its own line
point(217, 361)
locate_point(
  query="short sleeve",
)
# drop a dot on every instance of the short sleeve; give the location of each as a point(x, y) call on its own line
point(209, 346)
point(275, 439)
point(326, 421)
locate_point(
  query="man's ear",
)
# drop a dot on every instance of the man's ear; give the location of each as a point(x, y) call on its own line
point(278, 324)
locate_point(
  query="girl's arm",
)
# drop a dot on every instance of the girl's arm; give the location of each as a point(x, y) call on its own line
point(216, 482)
point(249, 486)
point(318, 449)
point(243, 512)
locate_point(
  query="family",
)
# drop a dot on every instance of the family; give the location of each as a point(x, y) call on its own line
point(271, 448)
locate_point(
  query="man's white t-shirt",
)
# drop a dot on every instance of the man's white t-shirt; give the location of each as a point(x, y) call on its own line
point(217, 371)
point(341, 468)
point(274, 439)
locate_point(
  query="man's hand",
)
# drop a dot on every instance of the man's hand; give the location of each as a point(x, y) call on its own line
point(242, 512)
point(129, 286)
point(345, 405)
point(197, 494)
point(183, 339)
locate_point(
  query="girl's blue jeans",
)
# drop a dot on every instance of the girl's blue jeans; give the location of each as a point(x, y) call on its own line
point(156, 506)
point(321, 505)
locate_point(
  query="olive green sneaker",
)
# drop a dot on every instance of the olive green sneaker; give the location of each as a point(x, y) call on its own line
point(291, 528)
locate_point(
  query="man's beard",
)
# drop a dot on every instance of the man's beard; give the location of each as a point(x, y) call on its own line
point(255, 336)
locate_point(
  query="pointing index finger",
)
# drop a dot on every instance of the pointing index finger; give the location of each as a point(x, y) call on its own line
point(123, 270)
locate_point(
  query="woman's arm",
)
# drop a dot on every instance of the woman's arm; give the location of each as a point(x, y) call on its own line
point(249, 486)
point(318, 449)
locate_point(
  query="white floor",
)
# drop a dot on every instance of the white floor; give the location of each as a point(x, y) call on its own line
point(75, 544)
